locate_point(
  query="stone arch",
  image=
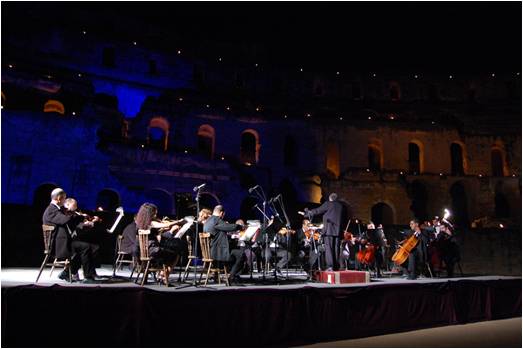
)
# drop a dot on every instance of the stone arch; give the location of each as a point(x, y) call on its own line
point(54, 106)
point(108, 199)
point(162, 199)
point(332, 160)
point(206, 140)
point(158, 132)
point(250, 146)
point(458, 164)
point(208, 200)
point(418, 193)
point(458, 194)
point(42, 196)
point(394, 91)
point(375, 155)
point(416, 156)
point(382, 213)
point(498, 160)
point(246, 208)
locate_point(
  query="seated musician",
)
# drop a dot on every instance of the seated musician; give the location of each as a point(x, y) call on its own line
point(129, 244)
point(203, 215)
point(237, 258)
point(62, 247)
point(376, 237)
point(85, 251)
point(162, 252)
point(345, 250)
point(279, 245)
point(307, 248)
point(418, 255)
point(219, 229)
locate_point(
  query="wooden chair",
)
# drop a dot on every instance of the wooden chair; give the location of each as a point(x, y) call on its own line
point(121, 256)
point(190, 258)
point(145, 260)
point(205, 243)
point(48, 245)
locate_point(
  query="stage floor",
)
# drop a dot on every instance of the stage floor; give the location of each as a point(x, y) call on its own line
point(289, 312)
point(10, 277)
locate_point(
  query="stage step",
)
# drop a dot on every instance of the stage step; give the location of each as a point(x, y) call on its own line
point(342, 277)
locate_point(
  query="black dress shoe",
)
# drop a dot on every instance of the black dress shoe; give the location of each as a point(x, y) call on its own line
point(64, 275)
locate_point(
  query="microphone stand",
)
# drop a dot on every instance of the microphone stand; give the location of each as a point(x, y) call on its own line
point(196, 236)
point(288, 225)
point(261, 196)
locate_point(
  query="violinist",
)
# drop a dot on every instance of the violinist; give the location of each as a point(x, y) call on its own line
point(85, 251)
point(447, 245)
point(307, 249)
point(376, 237)
point(278, 247)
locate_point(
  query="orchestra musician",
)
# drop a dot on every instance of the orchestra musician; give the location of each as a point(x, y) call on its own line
point(419, 254)
point(237, 257)
point(86, 251)
point(63, 246)
point(307, 249)
point(446, 243)
point(332, 211)
point(376, 237)
point(219, 229)
point(162, 247)
point(279, 244)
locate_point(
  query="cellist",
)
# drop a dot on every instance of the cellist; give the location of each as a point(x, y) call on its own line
point(419, 253)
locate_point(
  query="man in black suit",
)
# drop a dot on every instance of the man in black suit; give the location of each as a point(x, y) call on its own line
point(61, 239)
point(218, 229)
point(332, 210)
point(419, 254)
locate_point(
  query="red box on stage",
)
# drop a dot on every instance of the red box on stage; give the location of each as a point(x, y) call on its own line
point(342, 277)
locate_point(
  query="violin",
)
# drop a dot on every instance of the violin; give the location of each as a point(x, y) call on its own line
point(87, 217)
point(285, 231)
point(311, 232)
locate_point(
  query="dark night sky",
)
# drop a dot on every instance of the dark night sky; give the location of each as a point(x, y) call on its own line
point(482, 36)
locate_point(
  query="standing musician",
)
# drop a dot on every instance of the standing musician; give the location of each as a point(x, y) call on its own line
point(219, 229)
point(61, 240)
point(418, 254)
point(446, 243)
point(376, 237)
point(85, 251)
point(332, 210)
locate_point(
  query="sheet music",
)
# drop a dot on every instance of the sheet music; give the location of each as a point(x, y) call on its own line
point(249, 233)
point(183, 230)
point(118, 219)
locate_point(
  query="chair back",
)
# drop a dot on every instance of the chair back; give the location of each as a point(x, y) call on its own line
point(189, 244)
point(205, 244)
point(48, 232)
point(143, 240)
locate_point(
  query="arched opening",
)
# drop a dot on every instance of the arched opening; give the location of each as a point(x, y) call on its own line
point(502, 206)
point(394, 91)
point(42, 196)
point(247, 210)
point(458, 195)
point(206, 140)
point(162, 199)
point(54, 106)
point(333, 159)
point(414, 158)
point(497, 162)
point(208, 200)
point(158, 133)
point(375, 158)
point(249, 147)
point(456, 160)
point(419, 196)
point(108, 199)
point(289, 151)
point(381, 213)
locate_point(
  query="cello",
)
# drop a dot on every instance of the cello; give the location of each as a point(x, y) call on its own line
point(402, 253)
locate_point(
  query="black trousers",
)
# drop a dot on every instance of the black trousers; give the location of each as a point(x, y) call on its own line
point(415, 258)
point(237, 259)
point(280, 253)
point(332, 247)
point(85, 254)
